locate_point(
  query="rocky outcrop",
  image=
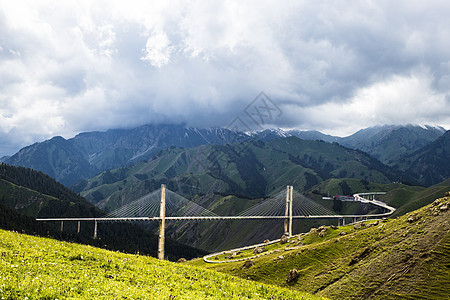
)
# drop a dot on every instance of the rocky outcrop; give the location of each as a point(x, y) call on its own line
point(248, 264)
point(292, 276)
point(322, 231)
point(359, 225)
point(259, 250)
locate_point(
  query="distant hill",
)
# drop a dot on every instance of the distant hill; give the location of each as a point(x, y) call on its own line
point(4, 158)
point(403, 258)
point(430, 164)
point(314, 135)
point(390, 142)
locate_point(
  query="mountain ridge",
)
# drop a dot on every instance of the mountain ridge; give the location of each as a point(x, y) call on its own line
point(89, 153)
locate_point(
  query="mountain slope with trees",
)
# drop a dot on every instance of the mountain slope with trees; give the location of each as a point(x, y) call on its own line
point(431, 164)
point(26, 194)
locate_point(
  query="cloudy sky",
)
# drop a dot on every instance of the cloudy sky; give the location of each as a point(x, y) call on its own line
point(333, 66)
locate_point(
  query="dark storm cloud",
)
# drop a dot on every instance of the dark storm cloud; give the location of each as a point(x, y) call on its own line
point(337, 66)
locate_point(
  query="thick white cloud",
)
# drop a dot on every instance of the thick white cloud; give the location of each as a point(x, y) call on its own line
point(336, 66)
point(395, 100)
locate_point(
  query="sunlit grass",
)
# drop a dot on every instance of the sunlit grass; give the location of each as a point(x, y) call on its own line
point(42, 268)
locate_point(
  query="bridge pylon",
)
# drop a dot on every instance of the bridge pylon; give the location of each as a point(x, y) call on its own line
point(286, 214)
point(291, 198)
point(162, 222)
point(288, 211)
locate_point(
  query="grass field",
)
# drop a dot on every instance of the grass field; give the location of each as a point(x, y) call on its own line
point(42, 268)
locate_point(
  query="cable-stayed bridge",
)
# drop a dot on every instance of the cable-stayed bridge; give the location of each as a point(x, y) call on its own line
point(163, 204)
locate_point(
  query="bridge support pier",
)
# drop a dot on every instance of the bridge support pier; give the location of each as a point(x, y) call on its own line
point(162, 223)
point(62, 226)
point(78, 227)
point(95, 229)
point(286, 214)
point(290, 209)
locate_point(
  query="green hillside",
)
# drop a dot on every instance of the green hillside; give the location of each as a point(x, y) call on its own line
point(36, 194)
point(227, 179)
point(253, 170)
point(403, 197)
point(42, 268)
point(430, 164)
point(350, 186)
point(406, 198)
point(404, 258)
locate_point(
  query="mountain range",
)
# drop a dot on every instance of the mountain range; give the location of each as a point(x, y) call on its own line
point(253, 169)
point(88, 154)
point(228, 171)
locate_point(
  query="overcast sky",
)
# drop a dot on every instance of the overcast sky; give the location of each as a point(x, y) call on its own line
point(333, 66)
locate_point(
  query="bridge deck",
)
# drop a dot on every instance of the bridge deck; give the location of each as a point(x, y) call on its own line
point(213, 218)
point(357, 197)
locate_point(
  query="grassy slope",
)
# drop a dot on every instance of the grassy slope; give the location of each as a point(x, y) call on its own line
point(41, 268)
point(407, 199)
point(394, 259)
point(403, 197)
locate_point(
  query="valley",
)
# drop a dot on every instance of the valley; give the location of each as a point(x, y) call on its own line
point(228, 179)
